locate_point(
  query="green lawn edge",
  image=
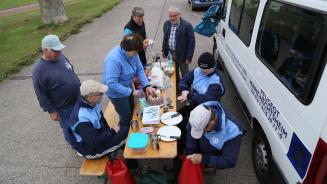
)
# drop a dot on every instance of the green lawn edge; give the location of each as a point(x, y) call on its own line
point(80, 13)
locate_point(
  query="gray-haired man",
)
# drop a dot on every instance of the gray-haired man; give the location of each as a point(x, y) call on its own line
point(178, 40)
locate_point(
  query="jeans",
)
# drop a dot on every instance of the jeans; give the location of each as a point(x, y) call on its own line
point(124, 107)
point(64, 116)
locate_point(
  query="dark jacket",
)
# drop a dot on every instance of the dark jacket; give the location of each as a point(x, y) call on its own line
point(90, 132)
point(55, 84)
point(212, 86)
point(212, 157)
point(140, 30)
point(185, 40)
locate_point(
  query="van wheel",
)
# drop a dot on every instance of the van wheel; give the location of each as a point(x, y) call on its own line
point(216, 57)
point(264, 166)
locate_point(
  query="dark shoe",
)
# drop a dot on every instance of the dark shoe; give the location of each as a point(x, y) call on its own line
point(169, 168)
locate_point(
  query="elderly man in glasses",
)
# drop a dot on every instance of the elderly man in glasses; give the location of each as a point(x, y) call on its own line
point(55, 83)
point(91, 136)
point(178, 41)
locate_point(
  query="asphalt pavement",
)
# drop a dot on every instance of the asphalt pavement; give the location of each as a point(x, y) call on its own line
point(32, 147)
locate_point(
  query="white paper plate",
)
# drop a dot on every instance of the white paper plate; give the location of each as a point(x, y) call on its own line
point(169, 131)
point(170, 121)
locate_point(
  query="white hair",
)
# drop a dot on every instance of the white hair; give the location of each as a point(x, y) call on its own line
point(174, 9)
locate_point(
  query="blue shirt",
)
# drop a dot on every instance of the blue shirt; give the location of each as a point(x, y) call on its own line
point(55, 84)
point(119, 70)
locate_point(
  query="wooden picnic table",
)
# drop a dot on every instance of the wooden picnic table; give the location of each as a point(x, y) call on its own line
point(166, 149)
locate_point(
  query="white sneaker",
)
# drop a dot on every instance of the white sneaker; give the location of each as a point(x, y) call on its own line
point(79, 154)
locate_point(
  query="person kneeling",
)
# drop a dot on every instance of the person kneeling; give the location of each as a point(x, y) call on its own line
point(213, 138)
point(91, 136)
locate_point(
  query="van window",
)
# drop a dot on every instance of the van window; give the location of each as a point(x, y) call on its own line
point(242, 17)
point(291, 43)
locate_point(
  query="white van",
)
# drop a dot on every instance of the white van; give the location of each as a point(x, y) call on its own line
point(274, 52)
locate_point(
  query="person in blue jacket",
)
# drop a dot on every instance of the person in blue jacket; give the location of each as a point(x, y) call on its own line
point(120, 66)
point(200, 85)
point(203, 83)
point(213, 138)
point(89, 132)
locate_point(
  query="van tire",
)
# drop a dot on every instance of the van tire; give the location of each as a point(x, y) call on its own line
point(216, 57)
point(263, 163)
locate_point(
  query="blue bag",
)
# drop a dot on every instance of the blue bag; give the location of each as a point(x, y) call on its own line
point(208, 25)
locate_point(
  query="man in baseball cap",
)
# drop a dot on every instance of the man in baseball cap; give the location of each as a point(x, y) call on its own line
point(55, 83)
point(91, 136)
point(213, 138)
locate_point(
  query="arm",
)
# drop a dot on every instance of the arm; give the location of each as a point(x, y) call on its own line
point(191, 143)
point(42, 92)
point(214, 92)
point(141, 73)
point(186, 82)
point(164, 40)
point(93, 137)
point(229, 156)
point(111, 77)
point(190, 42)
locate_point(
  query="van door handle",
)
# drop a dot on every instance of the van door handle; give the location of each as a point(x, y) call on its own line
point(223, 32)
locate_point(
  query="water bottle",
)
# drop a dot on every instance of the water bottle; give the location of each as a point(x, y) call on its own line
point(170, 60)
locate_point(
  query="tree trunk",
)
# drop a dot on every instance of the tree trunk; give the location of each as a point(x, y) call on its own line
point(52, 11)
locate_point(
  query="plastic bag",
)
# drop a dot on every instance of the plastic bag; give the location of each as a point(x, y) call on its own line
point(118, 172)
point(191, 173)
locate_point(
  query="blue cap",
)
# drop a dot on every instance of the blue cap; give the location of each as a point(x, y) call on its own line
point(52, 41)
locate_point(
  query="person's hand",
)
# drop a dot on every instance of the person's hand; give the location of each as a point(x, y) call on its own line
point(145, 46)
point(150, 90)
point(188, 61)
point(164, 56)
point(183, 97)
point(55, 116)
point(195, 158)
point(116, 127)
point(136, 92)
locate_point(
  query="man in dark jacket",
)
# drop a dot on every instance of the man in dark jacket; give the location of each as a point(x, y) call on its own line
point(136, 25)
point(178, 41)
point(213, 138)
point(91, 136)
point(55, 83)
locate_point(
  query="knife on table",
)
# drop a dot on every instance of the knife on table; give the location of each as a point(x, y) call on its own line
point(172, 116)
point(169, 137)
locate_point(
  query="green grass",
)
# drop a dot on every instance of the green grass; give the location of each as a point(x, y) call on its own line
point(21, 34)
point(5, 4)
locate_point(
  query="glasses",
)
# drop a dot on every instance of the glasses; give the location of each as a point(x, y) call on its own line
point(173, 15)
point(97, 94)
